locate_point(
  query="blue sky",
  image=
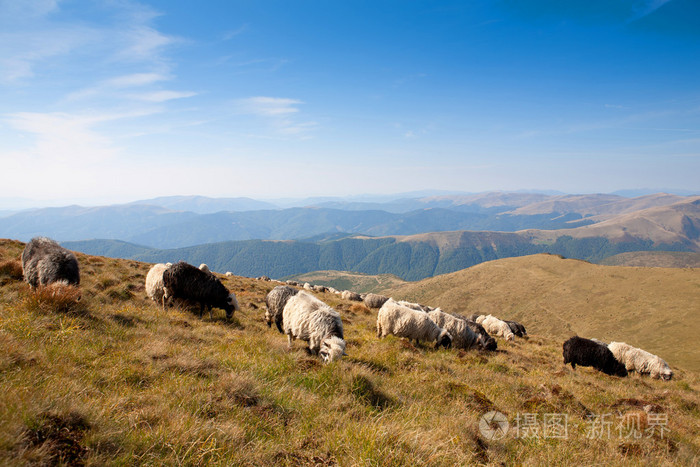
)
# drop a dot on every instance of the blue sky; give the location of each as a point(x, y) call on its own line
point(117, 100)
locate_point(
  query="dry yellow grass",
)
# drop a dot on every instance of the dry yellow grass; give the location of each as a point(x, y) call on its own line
point(655, 309)
point(125, 383)
point(355, 281)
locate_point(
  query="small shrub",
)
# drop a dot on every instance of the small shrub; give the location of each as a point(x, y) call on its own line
point(11, 269)
point(359, 308)
point(56, 297)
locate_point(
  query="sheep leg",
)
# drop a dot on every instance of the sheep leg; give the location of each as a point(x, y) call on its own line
point(211, 317)
point(289, 341)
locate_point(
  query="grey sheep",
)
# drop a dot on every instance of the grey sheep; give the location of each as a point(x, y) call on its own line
point(183, 280)
point(276, 300)
point(373, 300)
point(45, 262)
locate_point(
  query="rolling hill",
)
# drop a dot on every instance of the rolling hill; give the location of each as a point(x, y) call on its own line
point(112, 379)
point(654, 259)
point(344, 280)
point(647, 307)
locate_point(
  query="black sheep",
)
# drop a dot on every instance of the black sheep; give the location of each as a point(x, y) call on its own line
point(275, 301)
point(44, 262)
point(182, 280)
point(516, 328)
point(585, 352)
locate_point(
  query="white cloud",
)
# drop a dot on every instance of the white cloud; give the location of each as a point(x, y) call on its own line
point(268, 106)
point(280, 113)
point(162, 96)
point(135, 79)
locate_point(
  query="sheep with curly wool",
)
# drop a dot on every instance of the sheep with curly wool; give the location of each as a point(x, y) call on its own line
point(496, 326)
point(44, 262)
point(401, 321)
point(155, 289)
point(462, 335)
point(517, 328)
point(307, 318)
point(486, 342)
point(276, 300)
point(182, 280)
point(641, 361)
point(373, 300)
point(349, 295)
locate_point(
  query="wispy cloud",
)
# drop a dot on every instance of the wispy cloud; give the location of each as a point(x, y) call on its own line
point(281, 114)
point(228, 35)
point(67, 138)
point(268, 106)
point(647, 8)
point(33, 34)
point(162, 96)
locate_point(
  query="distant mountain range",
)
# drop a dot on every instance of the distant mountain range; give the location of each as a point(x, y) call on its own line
point(412, 238)
point(413, 257)
point(175, 222)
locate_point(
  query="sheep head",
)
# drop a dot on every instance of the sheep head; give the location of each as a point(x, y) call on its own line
point(332, 349)
point(444, 340)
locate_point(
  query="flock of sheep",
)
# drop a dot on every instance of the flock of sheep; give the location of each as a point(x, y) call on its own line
point(300, 315)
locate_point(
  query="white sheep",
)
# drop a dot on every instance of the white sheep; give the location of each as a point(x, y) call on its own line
point(496, 326)
point(641, 361)
point(205, 268)
point(349, 295)
point(307, 318)
point(462, 335)
point(415, 306)
point(154, 283)
point(402, 321)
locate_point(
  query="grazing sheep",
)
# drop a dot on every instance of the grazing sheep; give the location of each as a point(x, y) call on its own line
point(462, 335)
point(517, 328)
point(263, 278)
point(486, 342)
point(348, 295)
point(154, 283)
point(307, 318)
point(641, 361)
point(205, 268)
point(183, 280)
point(416, 306)
point(44, 262)
point(373, 300)
point(585, 352)
point(402, 321)
point(228, 274)
point(275, 300)
point(496, 326)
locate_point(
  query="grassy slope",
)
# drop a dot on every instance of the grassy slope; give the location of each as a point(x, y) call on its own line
point(358, 282)
point(655, 259)
point(655, 309)
point(118, 381)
